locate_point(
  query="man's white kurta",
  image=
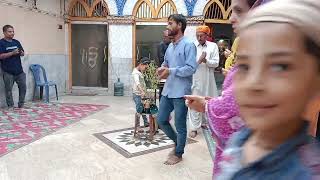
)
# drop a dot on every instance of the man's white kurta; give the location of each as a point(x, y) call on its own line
point(204, 83)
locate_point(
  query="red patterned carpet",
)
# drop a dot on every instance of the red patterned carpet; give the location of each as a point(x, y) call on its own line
point(23, 126)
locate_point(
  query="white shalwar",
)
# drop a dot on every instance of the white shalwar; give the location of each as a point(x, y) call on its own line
point(204, 83)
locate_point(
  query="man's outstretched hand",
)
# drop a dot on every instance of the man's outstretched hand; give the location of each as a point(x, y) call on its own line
point(196, 103)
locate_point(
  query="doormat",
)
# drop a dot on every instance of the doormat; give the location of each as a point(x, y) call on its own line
point(123, 142)
point(20, 127)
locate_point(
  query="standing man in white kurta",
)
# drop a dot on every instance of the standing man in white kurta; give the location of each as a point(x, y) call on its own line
point(204, 83)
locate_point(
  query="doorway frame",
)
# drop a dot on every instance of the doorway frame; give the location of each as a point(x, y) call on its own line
point(147, 21)
point(104, 22)
point(134, 35)
point(88, 19)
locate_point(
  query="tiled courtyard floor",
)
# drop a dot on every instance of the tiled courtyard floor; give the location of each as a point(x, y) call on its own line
point(74, 153)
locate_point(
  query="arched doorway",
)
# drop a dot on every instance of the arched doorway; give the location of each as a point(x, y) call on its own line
point(216, 14)
point(151, 20)
point(88, 43)
point(88, 10)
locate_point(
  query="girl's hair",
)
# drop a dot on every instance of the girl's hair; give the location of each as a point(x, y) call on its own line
point(251, 2)
point(313, 48)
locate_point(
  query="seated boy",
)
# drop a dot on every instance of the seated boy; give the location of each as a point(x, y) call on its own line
point(139, 85)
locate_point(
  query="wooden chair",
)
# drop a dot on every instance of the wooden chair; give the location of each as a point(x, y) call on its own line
point(153, 126)
point(149, 110)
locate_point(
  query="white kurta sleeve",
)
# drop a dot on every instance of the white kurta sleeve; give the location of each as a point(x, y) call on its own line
point(213, 56)
point(136, 79)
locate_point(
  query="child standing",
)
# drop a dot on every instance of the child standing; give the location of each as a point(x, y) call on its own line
point(139, 85)
point(278, 63)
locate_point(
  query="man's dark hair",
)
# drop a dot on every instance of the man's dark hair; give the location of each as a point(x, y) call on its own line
point(6, 27)
point(179, 18)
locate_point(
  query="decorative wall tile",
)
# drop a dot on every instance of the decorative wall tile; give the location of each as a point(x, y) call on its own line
point(180, 5)
point(120, 20)
point(120, 6)
point(195, 20)
point(190, 6)
point(199, 7)
point(128, 7)
point(112, 6)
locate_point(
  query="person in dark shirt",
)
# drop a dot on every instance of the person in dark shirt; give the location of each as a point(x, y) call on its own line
point(10, 53)
point(162, 47)
point(222, 47)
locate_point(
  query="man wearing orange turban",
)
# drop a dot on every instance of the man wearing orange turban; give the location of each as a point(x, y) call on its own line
point(203, 29)
point(204, 83)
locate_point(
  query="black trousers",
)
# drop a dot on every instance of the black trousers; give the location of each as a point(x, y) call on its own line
point(9, 80)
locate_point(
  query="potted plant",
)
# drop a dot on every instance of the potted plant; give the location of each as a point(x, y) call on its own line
point(151, 79)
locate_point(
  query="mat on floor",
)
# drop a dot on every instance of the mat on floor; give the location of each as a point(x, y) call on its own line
point(123, 142)
point(20, 127)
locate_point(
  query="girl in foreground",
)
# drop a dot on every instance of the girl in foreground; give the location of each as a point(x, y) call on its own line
point(223, 112)
point(278, 73)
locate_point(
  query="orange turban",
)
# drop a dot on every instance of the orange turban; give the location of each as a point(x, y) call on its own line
point(204, 29)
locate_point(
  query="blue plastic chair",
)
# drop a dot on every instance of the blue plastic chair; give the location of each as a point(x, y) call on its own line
point(36, 70)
